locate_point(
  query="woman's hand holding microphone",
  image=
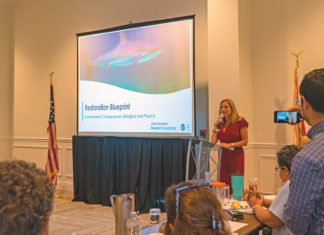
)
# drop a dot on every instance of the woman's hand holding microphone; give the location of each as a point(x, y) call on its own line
point(218, 123)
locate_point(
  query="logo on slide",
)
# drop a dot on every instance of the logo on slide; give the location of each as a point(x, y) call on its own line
point(182, 127)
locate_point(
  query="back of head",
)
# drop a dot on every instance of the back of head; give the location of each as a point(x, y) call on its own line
point(312, 88)
point(286, 154)
point(26, 198)
point(170, 203)
point(199, 212)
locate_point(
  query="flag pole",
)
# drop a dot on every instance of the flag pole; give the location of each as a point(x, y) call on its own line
point(298, 129)
point(51, 76)
point(297, 55)
point(295, 97)
point(58, 193)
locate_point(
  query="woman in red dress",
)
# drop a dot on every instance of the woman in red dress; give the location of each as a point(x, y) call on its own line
point(232, 134)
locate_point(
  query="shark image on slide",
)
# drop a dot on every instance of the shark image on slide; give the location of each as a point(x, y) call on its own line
point(126, 53)
point(153, 64)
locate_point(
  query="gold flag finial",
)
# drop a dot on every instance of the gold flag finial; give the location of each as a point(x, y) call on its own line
point(51, 76)
point(297, 55)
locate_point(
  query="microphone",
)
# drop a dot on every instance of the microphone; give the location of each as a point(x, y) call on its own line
point(219, 124)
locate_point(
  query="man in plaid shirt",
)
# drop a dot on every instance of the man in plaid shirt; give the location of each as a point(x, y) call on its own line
point(304, 210)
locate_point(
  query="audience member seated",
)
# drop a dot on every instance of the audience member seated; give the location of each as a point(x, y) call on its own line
point(273, 217)
point(193, 209)
point(26, 198)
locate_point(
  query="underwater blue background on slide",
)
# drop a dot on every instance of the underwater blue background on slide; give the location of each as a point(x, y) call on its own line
point(151, 60)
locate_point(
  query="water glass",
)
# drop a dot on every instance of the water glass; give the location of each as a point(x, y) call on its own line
point(237, 186)
point(203, 133)
point(227, 192)
point(155, 215)
point(227, 197)
point(208, 176)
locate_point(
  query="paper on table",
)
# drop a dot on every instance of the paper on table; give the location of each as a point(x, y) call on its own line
point(246, 210)
point(236, 225)
point(245, 207)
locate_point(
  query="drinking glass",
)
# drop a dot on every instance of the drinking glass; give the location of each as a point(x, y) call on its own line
point(227, 197)
point(203, 133)
point(154, 220)
point(207, 177)
point(237, 186)
point(155, 215)
point(253, 184)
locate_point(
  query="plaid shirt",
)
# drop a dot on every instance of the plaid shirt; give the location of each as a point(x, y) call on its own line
point(304, 210)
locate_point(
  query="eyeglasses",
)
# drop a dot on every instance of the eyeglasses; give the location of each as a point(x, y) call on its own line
point(299, 101)
point(217, 224)
point(277, 168)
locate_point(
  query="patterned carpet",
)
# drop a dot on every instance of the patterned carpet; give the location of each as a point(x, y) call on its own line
point(78, 218)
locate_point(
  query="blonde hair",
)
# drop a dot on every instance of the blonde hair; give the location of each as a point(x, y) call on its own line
point(234, 114)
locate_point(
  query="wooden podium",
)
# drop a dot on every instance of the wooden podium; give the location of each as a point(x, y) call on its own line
point(199, 151)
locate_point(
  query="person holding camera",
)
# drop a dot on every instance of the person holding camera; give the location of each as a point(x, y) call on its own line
point(304, 210)
point(232, 132)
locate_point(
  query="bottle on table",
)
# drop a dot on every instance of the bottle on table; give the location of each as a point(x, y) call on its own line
point(133, 224)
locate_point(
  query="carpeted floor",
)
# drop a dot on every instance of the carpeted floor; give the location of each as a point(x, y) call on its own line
point(79, 218)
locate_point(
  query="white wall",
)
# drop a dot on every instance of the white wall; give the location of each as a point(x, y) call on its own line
point(223, 54)
point(5, 78)
point(278, 29)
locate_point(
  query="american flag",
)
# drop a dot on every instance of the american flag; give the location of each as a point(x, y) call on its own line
point(52, 166)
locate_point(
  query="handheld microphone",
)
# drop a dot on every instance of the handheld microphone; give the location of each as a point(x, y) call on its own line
point(219, 124)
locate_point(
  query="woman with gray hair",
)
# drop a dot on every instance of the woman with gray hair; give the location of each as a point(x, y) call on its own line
point(273, 216)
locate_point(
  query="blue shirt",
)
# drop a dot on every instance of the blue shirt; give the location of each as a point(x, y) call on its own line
point(304, 210)
point(277, 208)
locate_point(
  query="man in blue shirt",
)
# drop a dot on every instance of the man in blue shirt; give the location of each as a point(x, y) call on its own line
point(304, 210)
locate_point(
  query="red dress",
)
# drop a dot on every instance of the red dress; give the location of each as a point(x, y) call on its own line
point(231, 161)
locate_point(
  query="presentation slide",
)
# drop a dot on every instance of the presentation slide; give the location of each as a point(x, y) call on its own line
point(137, 80)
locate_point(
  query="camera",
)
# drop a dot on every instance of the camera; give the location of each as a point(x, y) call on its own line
point(286, 117)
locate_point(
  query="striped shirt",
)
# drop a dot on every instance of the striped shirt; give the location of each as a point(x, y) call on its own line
point(304, 210)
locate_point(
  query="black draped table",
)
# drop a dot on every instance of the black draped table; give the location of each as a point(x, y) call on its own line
point(105, 165)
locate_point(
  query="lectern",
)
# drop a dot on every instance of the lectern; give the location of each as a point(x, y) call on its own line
point(199, 151)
